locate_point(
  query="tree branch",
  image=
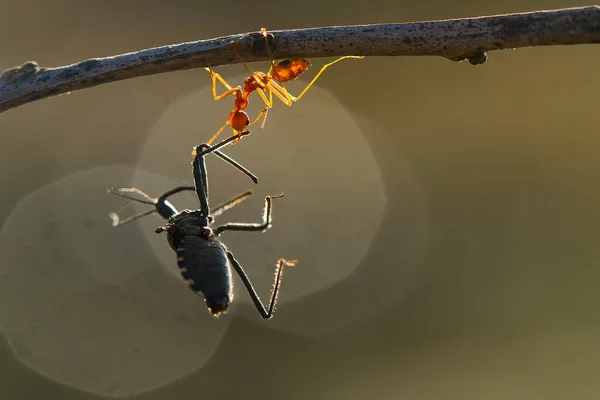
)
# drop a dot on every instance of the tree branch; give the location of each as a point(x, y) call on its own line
point(457, 40)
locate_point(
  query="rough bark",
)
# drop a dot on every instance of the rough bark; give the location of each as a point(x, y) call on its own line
point(457, 40)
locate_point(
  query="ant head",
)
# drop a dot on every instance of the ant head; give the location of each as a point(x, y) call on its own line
point(239, 121)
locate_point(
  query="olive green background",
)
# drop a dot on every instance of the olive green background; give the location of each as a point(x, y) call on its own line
point(504, 300)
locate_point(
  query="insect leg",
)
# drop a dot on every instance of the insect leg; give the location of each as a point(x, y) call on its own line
point(250, 288)
point(204, 149)
point(261, 227)
point(323, 70)
point(223, 143)
point(260, 114)
point(214, 76)
point(221, 208)
point(217, 133)
point(234, 45)
point(268, 102)
point(288, 97)
point(199, 170)
point(200, 180)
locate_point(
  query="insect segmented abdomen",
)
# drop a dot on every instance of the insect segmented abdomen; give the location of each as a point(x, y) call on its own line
point(205, 267)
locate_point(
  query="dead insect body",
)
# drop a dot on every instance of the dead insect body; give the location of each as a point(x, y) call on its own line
point(204, 262)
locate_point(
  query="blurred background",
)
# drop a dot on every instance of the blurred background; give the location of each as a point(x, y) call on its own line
point(446, 216)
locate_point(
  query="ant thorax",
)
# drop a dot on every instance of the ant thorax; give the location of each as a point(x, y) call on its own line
point(256, 81)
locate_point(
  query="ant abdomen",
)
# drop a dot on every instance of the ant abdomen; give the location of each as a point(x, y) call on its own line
point(205, 267)
point(288, 70)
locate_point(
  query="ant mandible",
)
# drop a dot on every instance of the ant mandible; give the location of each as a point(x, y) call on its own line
point(271, 83)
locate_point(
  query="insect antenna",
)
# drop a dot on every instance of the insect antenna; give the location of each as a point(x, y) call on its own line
point(116, 221)
point(125, 192)
point(161, 205)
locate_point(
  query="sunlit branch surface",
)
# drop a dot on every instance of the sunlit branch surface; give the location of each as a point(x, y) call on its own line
point(457, 40)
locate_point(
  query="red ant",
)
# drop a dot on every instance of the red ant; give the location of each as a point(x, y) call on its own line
point(283, 71)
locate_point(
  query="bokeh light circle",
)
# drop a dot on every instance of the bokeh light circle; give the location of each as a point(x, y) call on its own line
point(383, 275)
point(88, 305)
point(314, 152)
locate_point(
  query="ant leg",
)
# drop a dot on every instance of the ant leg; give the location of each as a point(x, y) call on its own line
point(238, 93)
point(268, 102)
point(218, 210)
point(288, 97)
point(279, 92)
point(214, 76)
point(261, 227)
point(260, 114)
point(321, 71)
point(250, 288)
point(234, 45)
point(216, 135)
point(262, 126)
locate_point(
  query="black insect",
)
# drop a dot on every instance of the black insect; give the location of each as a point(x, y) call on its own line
point(204, 262)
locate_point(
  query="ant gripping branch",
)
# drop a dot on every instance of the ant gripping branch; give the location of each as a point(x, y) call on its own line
point(272, 83)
